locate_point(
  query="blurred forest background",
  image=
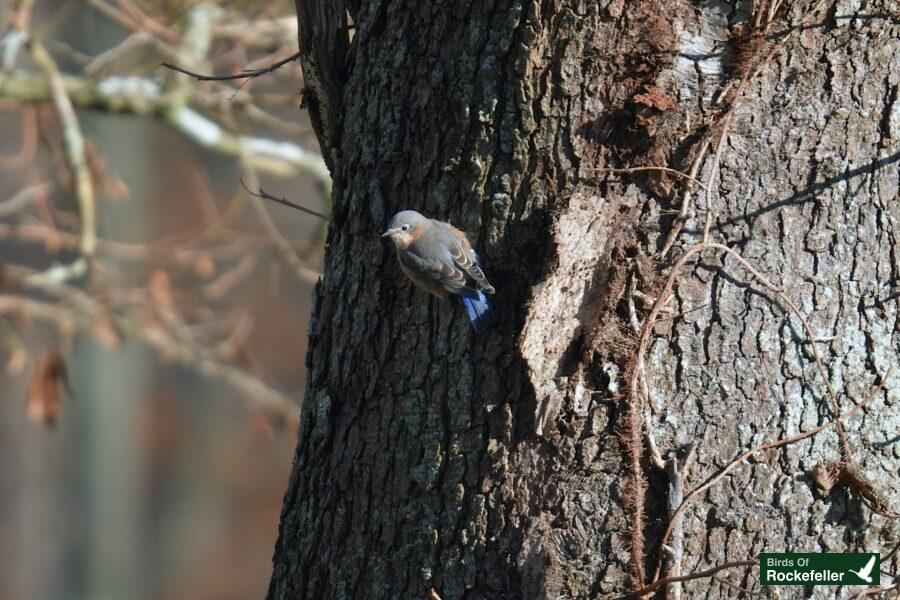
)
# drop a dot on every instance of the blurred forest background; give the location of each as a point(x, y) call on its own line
point(152, 312)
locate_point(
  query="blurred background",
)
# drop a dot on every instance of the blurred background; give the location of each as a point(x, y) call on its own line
point(152, 311)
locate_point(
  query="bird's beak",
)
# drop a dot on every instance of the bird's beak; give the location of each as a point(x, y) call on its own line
point(388, 233)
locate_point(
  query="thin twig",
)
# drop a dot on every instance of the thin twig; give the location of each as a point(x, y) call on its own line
point(683, 313)
point(245, 74)
point(145, 22)
point(677, 477)
point(259, 32)
point(649, 435)
point(890, 554)
point(744, 590)
point(695, 575)
point(22, 198)
point(73, 141)
point(649, 168)
point(115, 54)
point(712, 174)
point(19, 20)
point(685, 200)
point(817, 357)
point(303, 272)
point(112, 13)
point(267, 196)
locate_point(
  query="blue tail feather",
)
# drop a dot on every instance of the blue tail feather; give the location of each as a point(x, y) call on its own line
point(479, 308)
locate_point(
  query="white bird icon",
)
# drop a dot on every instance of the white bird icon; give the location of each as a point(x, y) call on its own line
point(866, 572)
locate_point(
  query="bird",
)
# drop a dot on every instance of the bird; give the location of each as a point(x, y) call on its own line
point(438, 258)
point(866, 572)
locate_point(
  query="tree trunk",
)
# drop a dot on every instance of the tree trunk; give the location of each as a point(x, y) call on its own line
point(525, 462)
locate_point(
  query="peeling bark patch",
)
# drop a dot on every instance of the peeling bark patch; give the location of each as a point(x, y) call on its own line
point(561, 303)
point(699, 63)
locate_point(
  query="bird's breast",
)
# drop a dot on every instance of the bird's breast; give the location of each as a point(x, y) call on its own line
point(427, 285)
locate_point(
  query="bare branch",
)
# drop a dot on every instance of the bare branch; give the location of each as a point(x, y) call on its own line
point(165, 346)
point(143, 97)
point(245, 74)
point(19, 20)
point(22, 198)
point(74, 146)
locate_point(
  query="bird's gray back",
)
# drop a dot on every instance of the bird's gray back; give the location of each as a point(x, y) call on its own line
point(434, 244)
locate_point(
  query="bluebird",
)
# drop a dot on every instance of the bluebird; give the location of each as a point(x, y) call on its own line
point(438, 258)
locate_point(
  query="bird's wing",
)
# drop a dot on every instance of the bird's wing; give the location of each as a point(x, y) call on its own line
point(466, 259)
point(868, 568)
point(433, 269)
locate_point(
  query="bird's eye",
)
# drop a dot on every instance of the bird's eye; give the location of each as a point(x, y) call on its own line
point(405, 228)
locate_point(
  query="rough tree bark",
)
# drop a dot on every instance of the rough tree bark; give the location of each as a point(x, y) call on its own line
point(505, 465)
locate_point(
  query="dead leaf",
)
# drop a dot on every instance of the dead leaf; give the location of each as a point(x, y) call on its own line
point(45, 389)
point(655, 98)
point(833, 473)
point(205, 266)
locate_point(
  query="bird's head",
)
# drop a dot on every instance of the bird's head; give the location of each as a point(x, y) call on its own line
point(404, 228)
